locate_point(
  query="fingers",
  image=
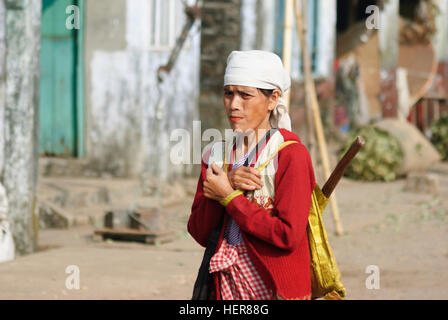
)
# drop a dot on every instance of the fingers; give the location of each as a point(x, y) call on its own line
point(243, 178)
point(208, 192)
point(216, 169)
point(209, 172)
point(211, 187)
point(248, 186)
point(248, 172)
point(247, 176)
point(230, 178)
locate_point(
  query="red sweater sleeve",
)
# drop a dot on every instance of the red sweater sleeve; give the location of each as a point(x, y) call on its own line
point(294, 183)
point(205, 213)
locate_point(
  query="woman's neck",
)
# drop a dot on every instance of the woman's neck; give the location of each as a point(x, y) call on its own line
point(250, 142)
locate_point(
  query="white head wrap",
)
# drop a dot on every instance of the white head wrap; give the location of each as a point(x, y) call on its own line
point(263, 70)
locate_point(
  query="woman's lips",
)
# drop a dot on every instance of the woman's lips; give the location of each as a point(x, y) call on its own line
point(235, 119)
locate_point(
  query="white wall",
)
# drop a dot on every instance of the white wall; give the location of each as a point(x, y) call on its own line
point(123, 97)
point(388, 34)
point(440, 39)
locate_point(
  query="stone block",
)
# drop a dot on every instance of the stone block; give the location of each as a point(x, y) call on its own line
point(53, 216)
point(420, 182)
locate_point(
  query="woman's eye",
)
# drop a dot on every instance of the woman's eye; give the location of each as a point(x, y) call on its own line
point(244, 95)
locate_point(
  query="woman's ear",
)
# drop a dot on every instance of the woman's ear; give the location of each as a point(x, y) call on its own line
point(273, 99)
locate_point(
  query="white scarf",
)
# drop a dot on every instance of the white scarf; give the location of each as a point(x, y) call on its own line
point(263, 70)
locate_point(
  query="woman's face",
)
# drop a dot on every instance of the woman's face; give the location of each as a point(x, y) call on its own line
point(248, 108)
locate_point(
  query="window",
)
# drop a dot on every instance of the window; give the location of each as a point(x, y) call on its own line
point(166, 21)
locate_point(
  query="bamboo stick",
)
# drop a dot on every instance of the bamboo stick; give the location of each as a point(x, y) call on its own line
point(287, 40)
point(311, 100)
point(310, 137)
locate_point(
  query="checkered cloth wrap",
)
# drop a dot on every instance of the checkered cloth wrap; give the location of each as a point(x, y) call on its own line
point(238, 278)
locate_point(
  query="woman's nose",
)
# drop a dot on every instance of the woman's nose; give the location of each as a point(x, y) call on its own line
point(235, 104)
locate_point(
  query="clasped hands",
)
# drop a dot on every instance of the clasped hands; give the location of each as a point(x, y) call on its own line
point(219, 185)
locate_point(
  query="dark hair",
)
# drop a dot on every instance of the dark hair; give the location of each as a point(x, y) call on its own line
point(267, 92)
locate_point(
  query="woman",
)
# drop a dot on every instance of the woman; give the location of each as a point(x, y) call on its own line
point(262, 252)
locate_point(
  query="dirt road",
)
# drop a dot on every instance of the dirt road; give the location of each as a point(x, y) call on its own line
point(403, 234)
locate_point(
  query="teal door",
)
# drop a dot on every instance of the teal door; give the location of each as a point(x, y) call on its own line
point(59, 61)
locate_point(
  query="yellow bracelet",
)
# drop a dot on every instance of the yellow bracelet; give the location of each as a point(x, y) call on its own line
point(225, 201)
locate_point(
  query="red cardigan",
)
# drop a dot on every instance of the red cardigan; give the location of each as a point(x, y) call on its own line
point(277, 244)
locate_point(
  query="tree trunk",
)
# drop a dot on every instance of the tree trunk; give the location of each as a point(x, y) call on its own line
point(21, 119)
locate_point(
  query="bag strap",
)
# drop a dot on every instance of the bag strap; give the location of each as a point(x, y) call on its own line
point(284, 144)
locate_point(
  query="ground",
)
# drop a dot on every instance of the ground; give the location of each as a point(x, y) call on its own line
point(403, 233)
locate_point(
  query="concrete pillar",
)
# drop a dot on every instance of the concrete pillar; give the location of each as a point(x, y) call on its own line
point(2, 76)
point(249, 30)
point(220, 35)
point(440, 41)
point(21, 119)
point(265, 24)
point(6, 240)
point(389, 47)
point(327, 16)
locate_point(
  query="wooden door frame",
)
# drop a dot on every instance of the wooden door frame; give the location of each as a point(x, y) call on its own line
point(80, 105)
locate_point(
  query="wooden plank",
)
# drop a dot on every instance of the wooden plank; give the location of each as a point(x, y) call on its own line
point(419, 117)
point(430, 113)
point(80, 113)
point(411, 116)
point(121, 232)
point(135, 235)
point(424, 115)
point(436, 111)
